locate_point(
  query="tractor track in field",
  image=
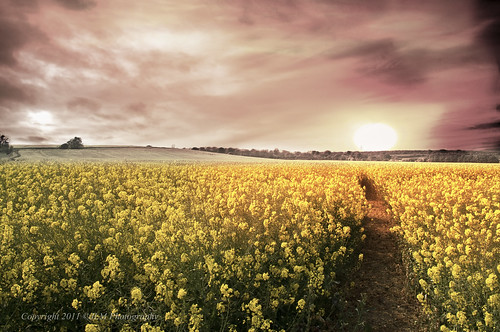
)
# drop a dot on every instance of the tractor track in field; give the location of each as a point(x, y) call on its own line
point(389, 305)
point(381, 284)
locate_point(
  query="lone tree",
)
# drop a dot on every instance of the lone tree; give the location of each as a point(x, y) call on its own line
point(4, 145)
point(74, 143)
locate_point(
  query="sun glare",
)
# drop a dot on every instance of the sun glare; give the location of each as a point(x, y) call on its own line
point(375, 137)
point(42, 120)
point(41, 117)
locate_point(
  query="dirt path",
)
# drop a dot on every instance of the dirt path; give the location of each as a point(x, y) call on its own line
point(381, 281)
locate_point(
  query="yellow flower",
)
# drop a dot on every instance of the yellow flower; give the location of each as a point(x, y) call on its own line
point(92, 328)
point(48, 261)
point(136, 294)
point(182, 292)
point(423, 283)
point(225, 290)
point(76, 304)
point(492, 281)
point(184, 257)
point(301, 304)
point(95, 291)
point(254, 306)
point(462, 318)
point(488, 319)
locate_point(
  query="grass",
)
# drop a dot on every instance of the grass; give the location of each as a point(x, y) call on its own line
point(113, 154)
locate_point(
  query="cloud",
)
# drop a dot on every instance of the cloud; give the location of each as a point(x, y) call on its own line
point(490, 125)
point(138, 107)
point(487, 14)
point(81, 103)
point(381, 47)
point(14, 34)
point(77, 4)
point(11, 92)
point(35, 139)
point(402, 65)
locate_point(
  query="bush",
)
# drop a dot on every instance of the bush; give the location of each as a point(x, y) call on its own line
point(4, 145)
point(74, 143)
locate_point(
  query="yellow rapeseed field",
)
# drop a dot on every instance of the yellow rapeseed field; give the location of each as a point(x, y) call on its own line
point(157, 247)
point(235, 247)
point(449, 222)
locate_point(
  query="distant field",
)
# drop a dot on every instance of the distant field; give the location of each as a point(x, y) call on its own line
point(159, 154)
point(123, 154)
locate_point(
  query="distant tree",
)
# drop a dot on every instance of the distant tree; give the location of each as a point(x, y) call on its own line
point(74, 143)
point(5, 145)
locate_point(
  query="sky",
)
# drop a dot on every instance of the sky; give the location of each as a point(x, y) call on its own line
point(297, 75)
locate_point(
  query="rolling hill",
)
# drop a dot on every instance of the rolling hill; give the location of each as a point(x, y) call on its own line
point(108, 154)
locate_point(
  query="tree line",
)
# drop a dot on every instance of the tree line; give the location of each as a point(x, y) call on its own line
point(418, 156)
point(297, 155)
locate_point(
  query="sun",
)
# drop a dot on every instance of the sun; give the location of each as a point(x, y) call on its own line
point(375, 137)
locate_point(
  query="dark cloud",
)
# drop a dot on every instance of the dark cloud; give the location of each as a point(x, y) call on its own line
point(252, 10)
point(395, 69)
point(491, 125)
point(10, 92)
point(491, 37)
point(381, 47)
point(25, 3)
point(35, 139)
point(487, 9)
point(383, 59)
point(13, 35)
point(15, 29)
point(77, 4)
point(81, 103)
point(488, 13)
point(138, 107)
